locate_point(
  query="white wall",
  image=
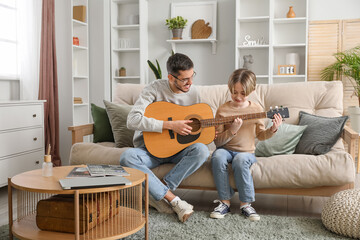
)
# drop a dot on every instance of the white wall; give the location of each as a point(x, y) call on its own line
point(333, 9)
point(64, 70)
point(210, 68)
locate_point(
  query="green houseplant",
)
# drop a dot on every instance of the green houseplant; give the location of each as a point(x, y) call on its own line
point(156, 69)
point(348, 64)
point(176, 25)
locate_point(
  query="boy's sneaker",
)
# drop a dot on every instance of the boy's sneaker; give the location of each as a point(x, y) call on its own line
point(250, 212)
point(221, 210)
point(183, 210)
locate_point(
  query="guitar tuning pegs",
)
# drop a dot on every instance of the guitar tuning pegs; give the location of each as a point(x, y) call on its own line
point(282, 108)
point(271, 109)
point(276, 108)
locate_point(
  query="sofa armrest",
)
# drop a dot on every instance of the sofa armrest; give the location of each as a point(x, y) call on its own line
point(350, 137)
point(78, 132)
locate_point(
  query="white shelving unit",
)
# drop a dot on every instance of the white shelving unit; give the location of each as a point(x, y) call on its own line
point(129, 41)
point(80, 67)
point(265, 22)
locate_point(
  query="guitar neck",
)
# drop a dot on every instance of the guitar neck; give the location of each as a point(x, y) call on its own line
point(228, 120)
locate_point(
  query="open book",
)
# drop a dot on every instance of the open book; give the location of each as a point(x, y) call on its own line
point(106, 170)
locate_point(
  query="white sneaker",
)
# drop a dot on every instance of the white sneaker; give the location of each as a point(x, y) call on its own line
point(161, 206)
point(250, 213)
point(183, 210)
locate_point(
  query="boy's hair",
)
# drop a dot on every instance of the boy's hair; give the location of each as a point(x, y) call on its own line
point(245, 77)
point(178, 62)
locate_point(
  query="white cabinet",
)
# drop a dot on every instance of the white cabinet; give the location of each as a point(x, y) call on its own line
point(80, 66)
point(129, 35)
point(264, 32)
point(21, 137)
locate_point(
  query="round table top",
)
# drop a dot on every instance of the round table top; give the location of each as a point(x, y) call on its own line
point(33, 181)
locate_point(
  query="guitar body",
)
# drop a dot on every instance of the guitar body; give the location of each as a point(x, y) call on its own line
point(168, 143)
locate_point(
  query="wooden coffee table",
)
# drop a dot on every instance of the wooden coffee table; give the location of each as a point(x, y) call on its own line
point(31, 187)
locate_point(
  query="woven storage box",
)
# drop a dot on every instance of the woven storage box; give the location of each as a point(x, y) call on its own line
point(341, 213)
point(79, 13)
point(57, 212)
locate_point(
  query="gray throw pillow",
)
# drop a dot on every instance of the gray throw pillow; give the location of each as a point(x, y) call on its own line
point(320, 135)
point(118, 116)
point(283, 142)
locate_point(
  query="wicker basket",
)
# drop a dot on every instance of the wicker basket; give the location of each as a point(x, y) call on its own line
point(341, 213)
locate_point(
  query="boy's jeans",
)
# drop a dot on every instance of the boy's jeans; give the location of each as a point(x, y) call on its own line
point(187, 161)
point(241, 163)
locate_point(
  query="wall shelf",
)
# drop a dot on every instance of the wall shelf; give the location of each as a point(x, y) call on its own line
point(212, 41)
point(127, 27)
point(127, 77)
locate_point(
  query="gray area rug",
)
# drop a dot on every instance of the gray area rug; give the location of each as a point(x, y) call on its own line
point(233, 226)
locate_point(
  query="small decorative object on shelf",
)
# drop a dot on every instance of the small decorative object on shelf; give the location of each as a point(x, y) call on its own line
point(200, 29)
point(293, 59)
point(78, 100)
point(249, 42)
point(248, 60)
point(122, 72)
point(287, 70)
point(176, 25)
point(76, 41)
point(291, 13)
point(79, 13)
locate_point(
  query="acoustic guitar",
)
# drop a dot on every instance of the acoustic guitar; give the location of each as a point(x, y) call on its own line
point(203, 124)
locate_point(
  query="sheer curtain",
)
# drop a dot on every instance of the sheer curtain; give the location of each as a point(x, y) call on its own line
point(29, 31)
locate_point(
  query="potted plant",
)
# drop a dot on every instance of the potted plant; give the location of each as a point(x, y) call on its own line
point(348, 64)
point(176, 25)
point(156, 70)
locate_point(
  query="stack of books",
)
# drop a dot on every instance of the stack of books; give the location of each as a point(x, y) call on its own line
point(78, 100)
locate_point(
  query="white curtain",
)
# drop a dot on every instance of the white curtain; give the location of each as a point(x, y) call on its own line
point(29, 32)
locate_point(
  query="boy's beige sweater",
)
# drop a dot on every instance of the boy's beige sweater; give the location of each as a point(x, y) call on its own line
point(244, 139)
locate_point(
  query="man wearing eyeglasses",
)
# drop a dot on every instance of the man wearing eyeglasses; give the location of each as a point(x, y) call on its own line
point(176, 89)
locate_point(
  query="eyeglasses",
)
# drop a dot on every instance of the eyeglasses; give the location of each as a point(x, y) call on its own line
point(185, 80)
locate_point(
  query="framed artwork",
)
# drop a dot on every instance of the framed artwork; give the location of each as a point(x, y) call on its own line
point(286, 69)
point(193, 11)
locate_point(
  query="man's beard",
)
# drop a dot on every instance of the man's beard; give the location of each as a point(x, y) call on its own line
point(178, 87)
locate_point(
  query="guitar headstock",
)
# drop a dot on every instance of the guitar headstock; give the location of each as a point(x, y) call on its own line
point(283, 111)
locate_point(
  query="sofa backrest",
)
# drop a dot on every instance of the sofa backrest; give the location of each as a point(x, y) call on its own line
point(319, 98)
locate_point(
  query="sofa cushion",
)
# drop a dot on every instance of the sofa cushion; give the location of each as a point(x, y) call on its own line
point(321, 133)
point(283, 142)
point(102, 129)
point(118, 116)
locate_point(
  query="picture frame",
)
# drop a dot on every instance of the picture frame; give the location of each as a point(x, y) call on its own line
point(286, 69)
point(193, 11)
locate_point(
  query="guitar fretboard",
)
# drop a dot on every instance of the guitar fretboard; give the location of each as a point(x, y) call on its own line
point(227, 120)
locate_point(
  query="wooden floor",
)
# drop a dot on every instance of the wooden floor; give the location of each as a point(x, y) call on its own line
point(203, 201)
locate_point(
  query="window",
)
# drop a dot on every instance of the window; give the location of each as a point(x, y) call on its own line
point(8, 40)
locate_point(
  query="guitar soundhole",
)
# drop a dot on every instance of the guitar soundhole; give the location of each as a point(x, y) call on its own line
point(196, 125)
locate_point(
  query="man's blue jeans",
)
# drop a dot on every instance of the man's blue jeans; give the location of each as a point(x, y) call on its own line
point(187, 161)
point(241, 163)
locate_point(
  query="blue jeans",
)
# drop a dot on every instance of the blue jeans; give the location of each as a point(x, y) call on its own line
point(187, 161)
point(241, 163)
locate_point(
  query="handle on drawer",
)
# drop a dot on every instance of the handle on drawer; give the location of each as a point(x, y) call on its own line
point(35, 138)
point(34, 115)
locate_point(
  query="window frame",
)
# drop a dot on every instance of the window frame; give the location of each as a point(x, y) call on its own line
point(16, 42)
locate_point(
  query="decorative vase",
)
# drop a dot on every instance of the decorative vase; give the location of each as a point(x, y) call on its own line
point(122, 72)
point(293, 59)
point(177, 33)
point(291, 13)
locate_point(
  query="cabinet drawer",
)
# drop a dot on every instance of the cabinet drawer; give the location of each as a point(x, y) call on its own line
point(10, 167)
point(21, 141)
point(19, 116)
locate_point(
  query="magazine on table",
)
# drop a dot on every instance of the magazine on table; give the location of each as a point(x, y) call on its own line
point(79, 172)
point(106, 170)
